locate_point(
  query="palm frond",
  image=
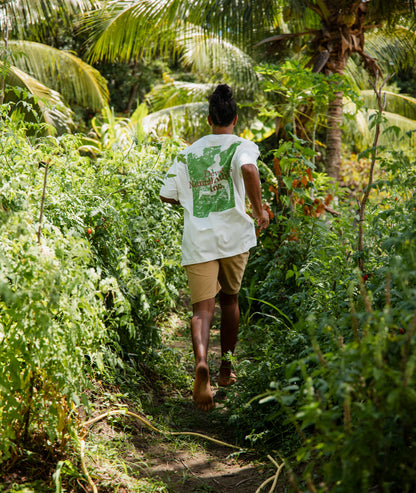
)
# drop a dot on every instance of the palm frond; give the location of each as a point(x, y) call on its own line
point(21, 16)
point(77, 81)
point(400, 104)
point(45, 100)
point(392, 48)
point(188, 121)
point(390, 11)
point(126, 30)
point(396, 129)
point(242, 22)
point(214, 55)
point(177, 93)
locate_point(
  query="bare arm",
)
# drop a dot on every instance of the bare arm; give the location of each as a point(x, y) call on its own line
point(169, 201)
point(253, 191)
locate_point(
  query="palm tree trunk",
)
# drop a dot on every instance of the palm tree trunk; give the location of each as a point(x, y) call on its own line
point(333, 138)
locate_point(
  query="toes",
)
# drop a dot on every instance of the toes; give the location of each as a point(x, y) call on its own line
point(205, 404)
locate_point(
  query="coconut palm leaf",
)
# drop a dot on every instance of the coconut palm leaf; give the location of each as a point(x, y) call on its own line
point(126, 30)
point(21, 15)
point(395, 129)
point(242, 23)
point(390, 11)
point(177, 93)
point(400, 104)
point(46, 102)
point(188, 121)
point(77, 81)
point(392, 48)
point(215, 56)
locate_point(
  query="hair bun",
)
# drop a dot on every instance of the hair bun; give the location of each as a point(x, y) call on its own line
point(224, 92)
point(222, 106)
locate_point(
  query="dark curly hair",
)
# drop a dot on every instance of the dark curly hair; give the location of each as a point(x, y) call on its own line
point(222, 106)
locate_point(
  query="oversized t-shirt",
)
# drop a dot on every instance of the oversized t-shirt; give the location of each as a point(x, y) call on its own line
point(206, 178)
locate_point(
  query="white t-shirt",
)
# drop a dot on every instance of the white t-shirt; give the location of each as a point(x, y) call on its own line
point(207, 180)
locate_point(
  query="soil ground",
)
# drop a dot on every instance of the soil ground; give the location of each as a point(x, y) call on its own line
point(124, 455)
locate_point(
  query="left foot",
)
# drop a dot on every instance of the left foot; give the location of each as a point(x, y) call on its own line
point(202, 394)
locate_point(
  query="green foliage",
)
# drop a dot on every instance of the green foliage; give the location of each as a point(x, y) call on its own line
point(301, 239)
point(86, 287)
point(113, 202)
point(298, 97)
point(338, 383)
point(50, 325)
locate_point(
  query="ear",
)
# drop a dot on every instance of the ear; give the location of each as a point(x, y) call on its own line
point(235, 120)
point(209, 121)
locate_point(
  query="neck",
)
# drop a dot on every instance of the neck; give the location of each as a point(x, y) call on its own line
point(222, 130)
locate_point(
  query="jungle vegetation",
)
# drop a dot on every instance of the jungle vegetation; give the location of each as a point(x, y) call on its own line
point(96, 98)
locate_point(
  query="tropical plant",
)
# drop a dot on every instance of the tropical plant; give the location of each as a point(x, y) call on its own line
point(54, 78)
point(88, 266)
point(337, 31)
point(51, 326)
point(332, 347)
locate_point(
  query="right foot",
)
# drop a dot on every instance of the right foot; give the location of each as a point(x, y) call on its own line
point(226, 378)
point(202, 394)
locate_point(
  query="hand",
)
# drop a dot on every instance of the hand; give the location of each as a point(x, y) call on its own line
point(263, 219)
point(169, 201)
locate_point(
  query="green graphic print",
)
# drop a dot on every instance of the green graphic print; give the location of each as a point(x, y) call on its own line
point(211, 181)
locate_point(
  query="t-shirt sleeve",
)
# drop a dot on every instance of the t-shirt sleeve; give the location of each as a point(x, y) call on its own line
point(169, 188)
point(247, 153)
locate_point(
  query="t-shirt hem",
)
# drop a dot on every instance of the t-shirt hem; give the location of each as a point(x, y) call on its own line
point(217, 257)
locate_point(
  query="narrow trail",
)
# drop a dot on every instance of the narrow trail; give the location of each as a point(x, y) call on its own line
point(158, 463)
point(120, 453)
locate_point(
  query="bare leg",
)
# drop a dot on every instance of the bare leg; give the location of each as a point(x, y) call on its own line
point(230, 319)
point(203, 313)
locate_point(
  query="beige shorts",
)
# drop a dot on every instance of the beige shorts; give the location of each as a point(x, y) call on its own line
point(207, 279)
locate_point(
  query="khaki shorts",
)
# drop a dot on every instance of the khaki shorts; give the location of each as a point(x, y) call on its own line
point(207, 279)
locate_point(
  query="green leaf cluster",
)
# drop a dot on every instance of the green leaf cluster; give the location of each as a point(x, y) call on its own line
point(84, 279)
point(336, 380)
point(51, 312)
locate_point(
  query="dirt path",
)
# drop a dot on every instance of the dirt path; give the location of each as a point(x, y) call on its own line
point(123, 455)
point(156, 463)
point(207, 466)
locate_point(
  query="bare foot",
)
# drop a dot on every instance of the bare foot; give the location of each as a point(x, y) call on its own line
point(226, 378)
point(202, 390)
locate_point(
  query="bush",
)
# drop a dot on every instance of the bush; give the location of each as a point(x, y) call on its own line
point(112, 201)
point(85, 288)
point(335, 359)
point(51, 325)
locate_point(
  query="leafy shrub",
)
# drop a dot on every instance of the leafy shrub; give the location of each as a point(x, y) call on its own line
point(113, 202)
point(304, 257)
point(341, 366)
point(353, 406)
point(84, 288)
point(51, 325)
